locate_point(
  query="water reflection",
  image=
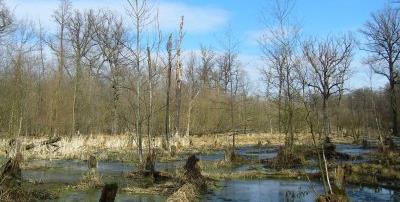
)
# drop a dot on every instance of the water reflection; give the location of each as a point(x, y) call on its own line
point(288, 190)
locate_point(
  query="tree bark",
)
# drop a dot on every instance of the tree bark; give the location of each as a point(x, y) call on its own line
point(169, 50)
point(393, 105)
point(150, 81)
point(178, 80)
point(325, 118)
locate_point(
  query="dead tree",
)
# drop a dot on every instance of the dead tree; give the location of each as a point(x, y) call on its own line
point(382, 34)
point(169, 71)
point(179, 70)
point(50, 141)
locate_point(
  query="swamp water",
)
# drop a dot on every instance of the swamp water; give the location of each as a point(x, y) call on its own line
point(288, 190)
point(253, 190)
point(71, 171)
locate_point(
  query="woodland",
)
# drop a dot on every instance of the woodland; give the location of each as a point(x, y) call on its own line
point(107, 108)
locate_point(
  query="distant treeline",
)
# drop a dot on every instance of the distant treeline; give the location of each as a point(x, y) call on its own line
point(98, 74)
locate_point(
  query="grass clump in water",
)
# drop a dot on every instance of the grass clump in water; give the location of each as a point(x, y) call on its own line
point(90, 180)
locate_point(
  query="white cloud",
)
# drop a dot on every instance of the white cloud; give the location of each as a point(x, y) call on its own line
point(198, 19)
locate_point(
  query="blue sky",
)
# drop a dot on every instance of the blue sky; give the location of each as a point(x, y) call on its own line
point(206, 21)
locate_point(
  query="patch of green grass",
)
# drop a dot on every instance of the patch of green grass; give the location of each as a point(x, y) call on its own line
point(255, 174)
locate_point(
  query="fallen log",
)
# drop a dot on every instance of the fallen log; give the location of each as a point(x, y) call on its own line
point(50, 141)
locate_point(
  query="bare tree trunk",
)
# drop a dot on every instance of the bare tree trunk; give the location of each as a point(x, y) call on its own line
point(61, 16)
point(169, 50)
point(232, 108)
point(393, 106)
point(188, 118)
point(76, 89)
point(73, 109)
point(325, 117)
point(383, 43)
point(138, 110)
point(178, 80)
point(150, 82)
point(114, 125)
point(326, 171)
point(280, 105)
point(41, 79)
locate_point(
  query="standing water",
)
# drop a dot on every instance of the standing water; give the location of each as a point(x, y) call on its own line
point(288, 190)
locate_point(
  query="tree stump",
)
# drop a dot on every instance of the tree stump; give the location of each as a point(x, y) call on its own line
point(329, 148)
point(92, 162)
point(229, 154)
point(173, 150)
point(109, 193)
point(193, 174)
point(11, 172)
point(191, 169)
point(149, 164)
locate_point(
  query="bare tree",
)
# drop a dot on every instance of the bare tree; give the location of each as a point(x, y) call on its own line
point(329, 62)
point(207, 64)
point(80, 33)
point(169, 72)
point(152, 63)
point(19, 50)
point(179, 72)
point(228, 65)
point(61, 17)
point(110, 36)
point(41, 107)
point(6, 19)
point(150, 83)
point(139, 11)
point(382, 34)
point(279, 45)
point(194, 88)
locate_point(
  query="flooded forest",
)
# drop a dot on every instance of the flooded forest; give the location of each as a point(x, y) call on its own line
point(115, 103)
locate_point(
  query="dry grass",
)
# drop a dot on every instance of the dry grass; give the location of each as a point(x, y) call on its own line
point(139, 190)
point(79, 147)
point(119, 147)
point(187, 193)
point(90, 180)
point(219, 141)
